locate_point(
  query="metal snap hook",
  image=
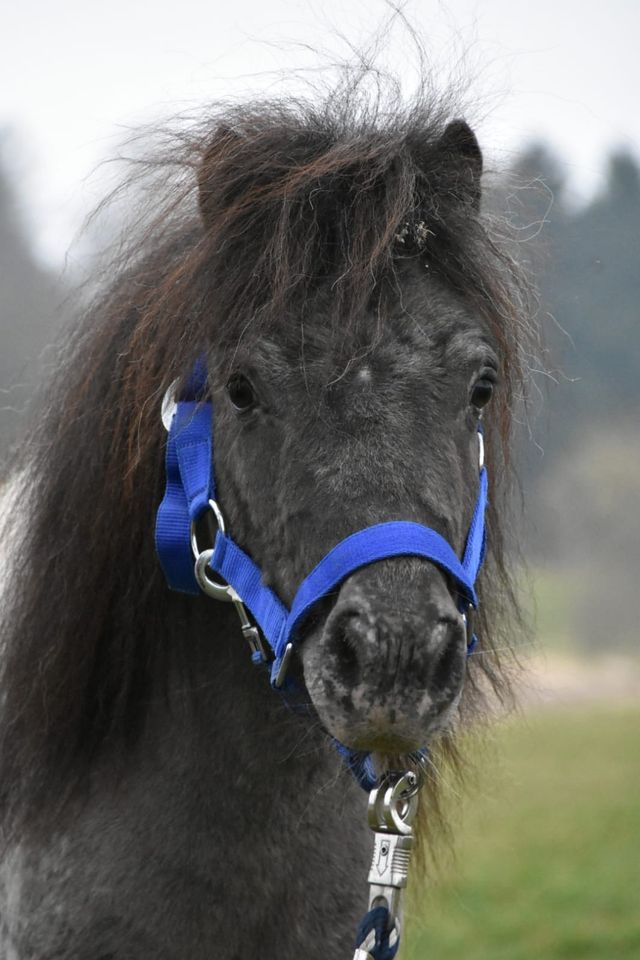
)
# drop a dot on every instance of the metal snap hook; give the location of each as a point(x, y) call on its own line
point(212, 588)
point(401, 803)
point(218, 589)
point(392, 808)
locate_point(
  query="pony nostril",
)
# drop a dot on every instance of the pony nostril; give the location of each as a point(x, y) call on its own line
point(450, 656)
point(342, 648)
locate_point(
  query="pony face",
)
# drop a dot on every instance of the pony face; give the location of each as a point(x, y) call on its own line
point(317, 439)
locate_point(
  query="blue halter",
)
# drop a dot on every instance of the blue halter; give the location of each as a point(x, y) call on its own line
point(190, 496)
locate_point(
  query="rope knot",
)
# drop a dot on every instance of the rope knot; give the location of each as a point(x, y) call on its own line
point(376, 940)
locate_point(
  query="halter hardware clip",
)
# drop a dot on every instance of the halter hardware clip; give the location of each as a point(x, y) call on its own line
point(219, 590)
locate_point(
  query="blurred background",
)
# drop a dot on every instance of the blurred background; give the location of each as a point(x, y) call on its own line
point(548, 845)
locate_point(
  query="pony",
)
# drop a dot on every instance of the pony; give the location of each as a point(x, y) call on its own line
point(359, 313)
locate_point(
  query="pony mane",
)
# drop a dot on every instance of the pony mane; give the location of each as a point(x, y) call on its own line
point(246, 217)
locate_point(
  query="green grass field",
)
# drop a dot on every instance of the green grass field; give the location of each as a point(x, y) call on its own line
point(548, 852)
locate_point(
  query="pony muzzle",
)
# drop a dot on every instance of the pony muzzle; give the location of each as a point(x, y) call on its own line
point(386, 669)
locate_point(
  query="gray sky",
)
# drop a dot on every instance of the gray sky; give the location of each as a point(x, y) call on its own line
point(76, 74)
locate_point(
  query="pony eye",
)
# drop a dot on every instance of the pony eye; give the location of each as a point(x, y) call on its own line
point(241, 393)
point(482, 392)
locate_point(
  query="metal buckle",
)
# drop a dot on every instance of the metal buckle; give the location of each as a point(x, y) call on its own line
point(284, 666)
point(467, 619)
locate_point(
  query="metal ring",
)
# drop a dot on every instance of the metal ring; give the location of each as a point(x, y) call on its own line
point(399, 811)
point(169, 405)
point(419, 757)
point(212, 588)
point(219, 519)
point(394, 802)
point(405, 788)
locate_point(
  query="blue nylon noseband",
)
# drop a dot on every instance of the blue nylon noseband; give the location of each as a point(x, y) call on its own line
point(190, 493)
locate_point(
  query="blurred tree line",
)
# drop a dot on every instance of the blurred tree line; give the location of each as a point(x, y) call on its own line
point(582, 471)
point(583, 481)
point(30, 309)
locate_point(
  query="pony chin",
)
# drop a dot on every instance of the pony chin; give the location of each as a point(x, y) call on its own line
point(378, 728)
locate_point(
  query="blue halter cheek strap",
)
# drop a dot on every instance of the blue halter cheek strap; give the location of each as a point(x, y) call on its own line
point(190, 493)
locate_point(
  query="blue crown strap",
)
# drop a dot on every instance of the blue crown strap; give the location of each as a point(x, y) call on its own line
point(196, 385)
point(186, 492)
point(189, 483)
point(191, 430)
point(476, 544)
point(476, 538)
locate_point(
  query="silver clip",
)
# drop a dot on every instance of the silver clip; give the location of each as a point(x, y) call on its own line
point(389, 871)
point(249, 631)
point(392, 809)
point(219, 590)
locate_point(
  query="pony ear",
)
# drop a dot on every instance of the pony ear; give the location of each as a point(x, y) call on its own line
point(219, 148)
point(463, 158)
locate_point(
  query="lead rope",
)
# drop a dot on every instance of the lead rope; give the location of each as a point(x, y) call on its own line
point(392, 808)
